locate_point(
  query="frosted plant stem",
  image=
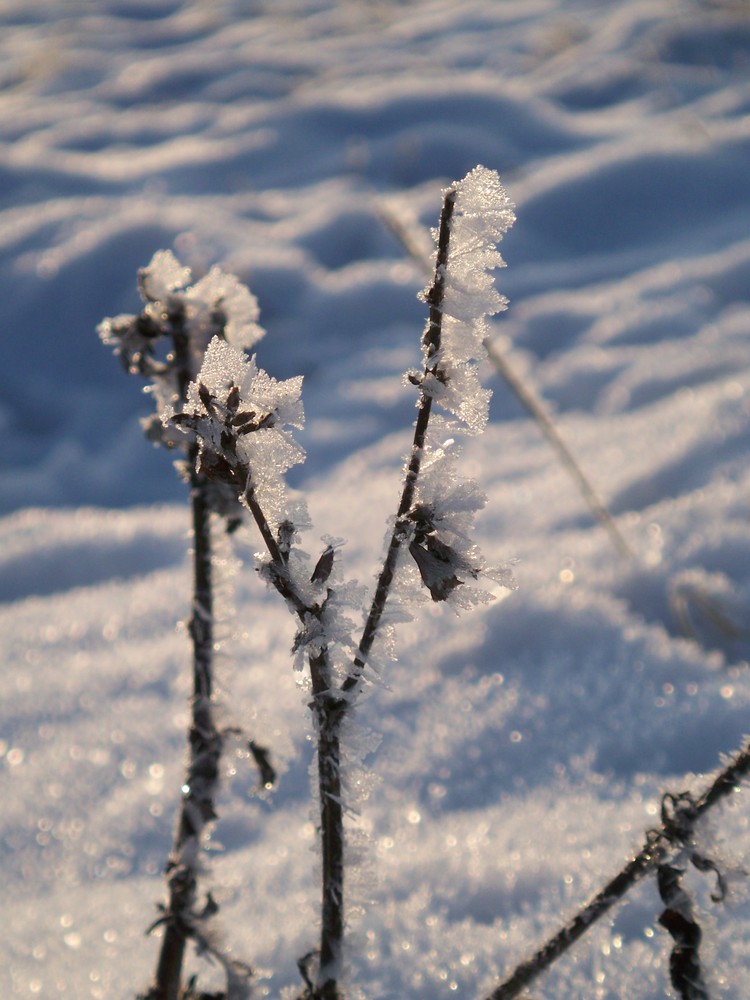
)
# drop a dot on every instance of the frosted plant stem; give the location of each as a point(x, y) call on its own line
point(328, 710)
point(205, 750)
point(179, 321)
point(201, 620)
point(204, 740)
point(676, 830)
point(432, 338)
point(414, 246)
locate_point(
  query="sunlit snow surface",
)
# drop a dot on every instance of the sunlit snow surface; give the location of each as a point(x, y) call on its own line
point(525, 745)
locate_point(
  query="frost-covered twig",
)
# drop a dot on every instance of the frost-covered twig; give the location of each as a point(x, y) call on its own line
point(681, 596)
point(166, 342)
point(476, 213)
point(680, 814)
point(432, 340)
point(567, 459)
point(413, 244)
point(201, 781)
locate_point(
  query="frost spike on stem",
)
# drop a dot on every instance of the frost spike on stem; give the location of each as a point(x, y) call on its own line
point(674, 831)
point(432, 339)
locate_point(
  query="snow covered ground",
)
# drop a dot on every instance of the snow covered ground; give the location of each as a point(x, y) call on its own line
point(525, 745)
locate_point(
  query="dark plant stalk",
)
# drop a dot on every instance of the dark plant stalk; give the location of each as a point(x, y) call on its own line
point(416, 243)
point(330, 705)
point(328, 709)
point(201, 619)
point(415, 247)
point(169, 317)
point(432, 339)
point(205, 744)
point(676, 829)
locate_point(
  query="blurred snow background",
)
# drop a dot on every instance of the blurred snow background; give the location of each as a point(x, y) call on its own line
point(524, 746)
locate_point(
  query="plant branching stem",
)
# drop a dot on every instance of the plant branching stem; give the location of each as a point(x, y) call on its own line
point(328, 708)
point(432, 340)
point(658, 844)
point(264, 527)
point(205, 742)
point(328, 705)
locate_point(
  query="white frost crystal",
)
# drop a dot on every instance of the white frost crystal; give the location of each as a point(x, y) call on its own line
point(482, 214)
point(163, 277)
point(241, 416)
point(167, 342)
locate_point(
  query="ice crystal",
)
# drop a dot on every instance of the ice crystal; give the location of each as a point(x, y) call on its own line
point(241, 417)
point(482, 214)
point(168, 340)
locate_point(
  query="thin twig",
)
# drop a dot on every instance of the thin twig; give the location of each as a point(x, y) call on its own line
point(416, 243)
point(676, 829)
point(330, 709)
point(432, 339)
point(413, 245)
point(205, 744)
point(205, 741)
point(135, 339)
